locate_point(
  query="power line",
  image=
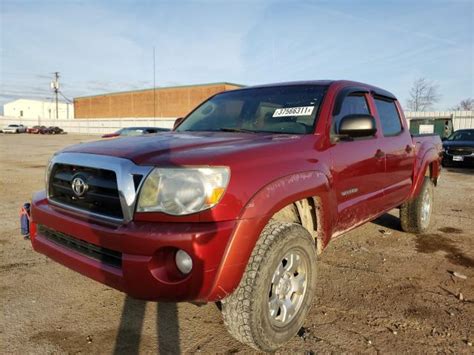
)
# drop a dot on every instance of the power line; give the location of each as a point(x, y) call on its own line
point(154, 85)
point(65, 98)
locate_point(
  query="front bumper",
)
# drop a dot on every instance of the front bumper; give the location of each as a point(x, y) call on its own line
point(147, 249)
point(459, 160)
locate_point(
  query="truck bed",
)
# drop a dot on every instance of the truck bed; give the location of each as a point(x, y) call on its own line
point(426, 140)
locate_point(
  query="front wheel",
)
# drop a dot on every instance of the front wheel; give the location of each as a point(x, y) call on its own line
point(415, 215)
point(274, 296)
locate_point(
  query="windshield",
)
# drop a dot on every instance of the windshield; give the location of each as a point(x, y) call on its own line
point(462, 136)
point(133, 131)
point(280, 109)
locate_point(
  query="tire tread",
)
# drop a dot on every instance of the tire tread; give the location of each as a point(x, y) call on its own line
point(410, 211)
point(237, 307)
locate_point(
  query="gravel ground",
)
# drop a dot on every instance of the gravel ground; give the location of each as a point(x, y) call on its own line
point(387, 292)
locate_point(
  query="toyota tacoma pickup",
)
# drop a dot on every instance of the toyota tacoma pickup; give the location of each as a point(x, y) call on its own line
point(235, 204)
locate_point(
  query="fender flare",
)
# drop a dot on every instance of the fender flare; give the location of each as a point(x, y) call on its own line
point(255, 216)
point(421, 166)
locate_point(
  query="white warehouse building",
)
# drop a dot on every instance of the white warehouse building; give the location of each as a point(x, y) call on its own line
point(37, 109)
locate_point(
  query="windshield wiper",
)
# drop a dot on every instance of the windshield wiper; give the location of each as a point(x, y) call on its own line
point(229, 129)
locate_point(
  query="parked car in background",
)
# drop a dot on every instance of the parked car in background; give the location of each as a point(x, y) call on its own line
point(55, 130)
point(14, 128)
point(458, 148)
point(135, 131)
point(38, 130)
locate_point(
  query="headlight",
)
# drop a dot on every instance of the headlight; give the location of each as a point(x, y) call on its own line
point(182, 191)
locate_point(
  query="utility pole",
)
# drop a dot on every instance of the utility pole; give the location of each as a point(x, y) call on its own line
point(154, 86)
point(55, 88)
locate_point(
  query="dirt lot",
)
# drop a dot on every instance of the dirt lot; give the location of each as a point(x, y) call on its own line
point(391, 292)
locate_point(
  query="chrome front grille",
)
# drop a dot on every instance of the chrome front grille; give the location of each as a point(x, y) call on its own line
point(101, 197)
point(108, 185)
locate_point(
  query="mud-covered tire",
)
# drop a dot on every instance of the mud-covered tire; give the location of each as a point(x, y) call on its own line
point(415, 215)
point(246, 311)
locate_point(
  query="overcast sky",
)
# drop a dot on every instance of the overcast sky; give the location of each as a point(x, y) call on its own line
point(105, 46)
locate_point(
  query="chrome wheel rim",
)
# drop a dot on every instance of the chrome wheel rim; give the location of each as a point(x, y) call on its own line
point(426, 209)
point(288, 288)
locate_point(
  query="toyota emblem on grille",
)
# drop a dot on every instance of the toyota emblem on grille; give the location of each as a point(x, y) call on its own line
point(79, 186)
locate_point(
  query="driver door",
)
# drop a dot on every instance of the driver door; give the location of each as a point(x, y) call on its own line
point(357, 167)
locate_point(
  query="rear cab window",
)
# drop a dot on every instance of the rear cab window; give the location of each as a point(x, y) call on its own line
point(389, 117)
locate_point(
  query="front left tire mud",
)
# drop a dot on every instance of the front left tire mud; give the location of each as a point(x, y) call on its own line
point(276, 291)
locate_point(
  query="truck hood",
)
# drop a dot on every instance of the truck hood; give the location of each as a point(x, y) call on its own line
point(180, 148)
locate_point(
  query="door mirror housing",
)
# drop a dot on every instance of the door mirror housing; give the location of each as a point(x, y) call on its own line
point(357, 126)
point(177, 122)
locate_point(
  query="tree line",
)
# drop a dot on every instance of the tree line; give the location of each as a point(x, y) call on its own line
point(424, 94)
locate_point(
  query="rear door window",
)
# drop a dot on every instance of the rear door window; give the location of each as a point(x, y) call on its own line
point(389, 118)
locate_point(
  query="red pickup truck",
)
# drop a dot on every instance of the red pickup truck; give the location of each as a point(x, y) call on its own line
point(237, 201)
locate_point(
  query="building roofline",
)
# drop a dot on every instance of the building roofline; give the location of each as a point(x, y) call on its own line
point(160, 88)
point(37, 100)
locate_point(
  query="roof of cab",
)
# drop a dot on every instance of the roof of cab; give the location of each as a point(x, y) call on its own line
point(375, 89)
point(291, 83)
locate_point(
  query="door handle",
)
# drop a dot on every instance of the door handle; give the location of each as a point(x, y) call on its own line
point(408, 148)
point(379, 154)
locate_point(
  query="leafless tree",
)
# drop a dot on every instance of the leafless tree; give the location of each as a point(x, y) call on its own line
point(423, 95)
point(464, 105)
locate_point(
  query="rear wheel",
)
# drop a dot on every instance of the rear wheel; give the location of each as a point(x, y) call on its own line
point(415, 215)
point(271, 302)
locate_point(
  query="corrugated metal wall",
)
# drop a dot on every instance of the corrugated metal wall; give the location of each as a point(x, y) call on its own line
point(161, 102)
point(460, 119)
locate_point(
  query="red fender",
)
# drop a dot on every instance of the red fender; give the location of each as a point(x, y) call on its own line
point(420, 169)
point(256, 214)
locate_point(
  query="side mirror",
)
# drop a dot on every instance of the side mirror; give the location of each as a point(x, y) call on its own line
point(177, 122)
point(357, 126)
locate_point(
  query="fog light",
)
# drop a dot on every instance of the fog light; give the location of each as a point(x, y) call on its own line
point(183, 261)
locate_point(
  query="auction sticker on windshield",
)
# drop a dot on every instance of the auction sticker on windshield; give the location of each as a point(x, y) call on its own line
point(293, 111)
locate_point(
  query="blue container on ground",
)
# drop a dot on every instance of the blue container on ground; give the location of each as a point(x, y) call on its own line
point(25, 220)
